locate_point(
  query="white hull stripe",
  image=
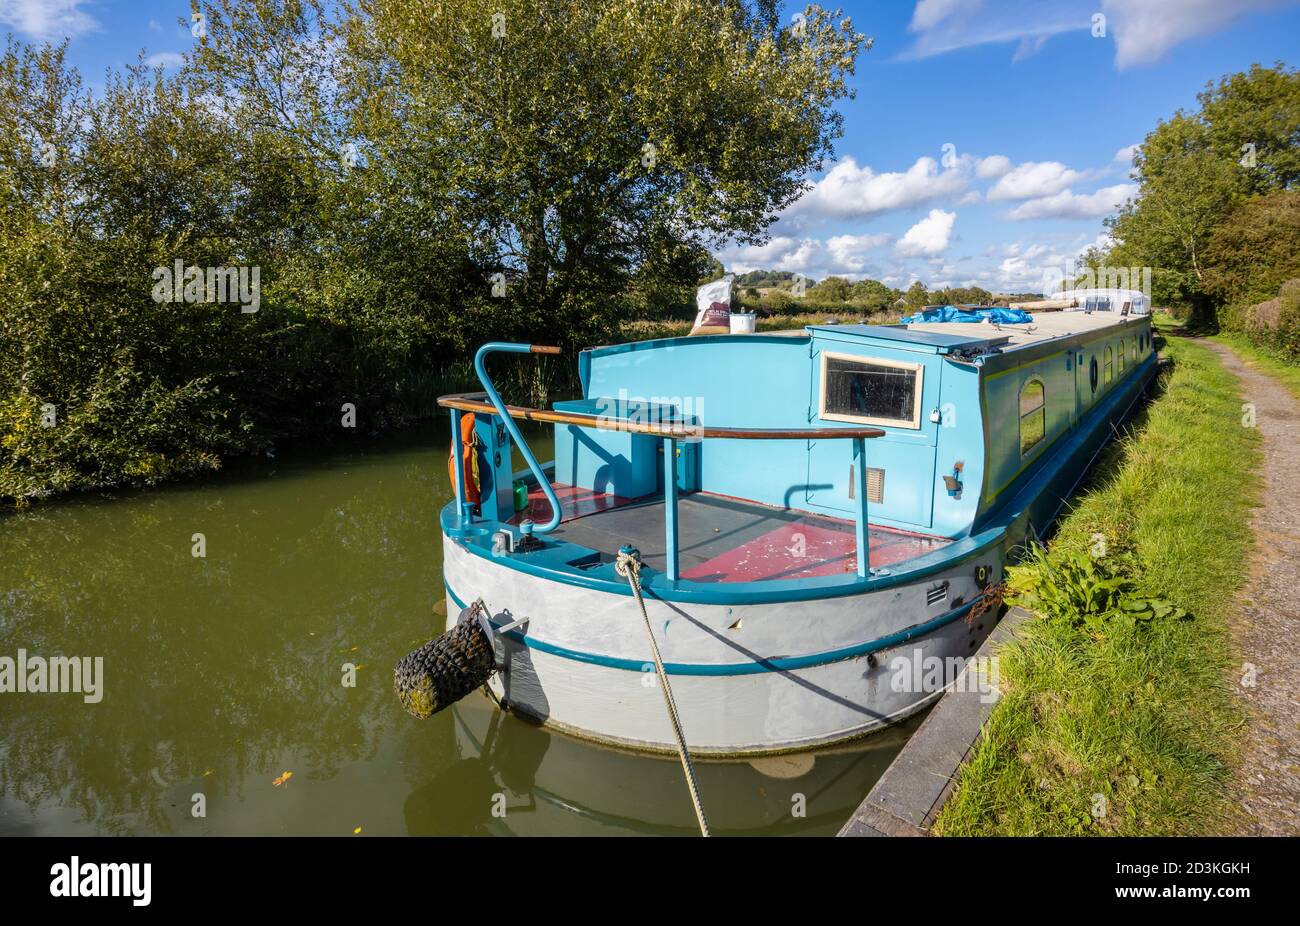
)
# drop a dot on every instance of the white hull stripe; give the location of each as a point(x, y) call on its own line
point(775, 664)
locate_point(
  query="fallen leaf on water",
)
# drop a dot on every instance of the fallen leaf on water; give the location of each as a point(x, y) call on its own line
point(282, 779)
point(356, 831)
point(207, 773)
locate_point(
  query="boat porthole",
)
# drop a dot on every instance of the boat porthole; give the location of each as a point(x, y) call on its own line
point(1092, 373)
point(981, 575)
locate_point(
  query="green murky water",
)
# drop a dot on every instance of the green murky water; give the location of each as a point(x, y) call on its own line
point(221, 673)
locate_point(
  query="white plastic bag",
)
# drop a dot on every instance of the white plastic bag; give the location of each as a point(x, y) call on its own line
point(713, 307)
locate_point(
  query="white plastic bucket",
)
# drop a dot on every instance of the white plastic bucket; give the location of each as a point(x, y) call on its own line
point(742, 323)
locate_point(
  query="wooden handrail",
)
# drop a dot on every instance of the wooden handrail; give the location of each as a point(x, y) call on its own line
point(470, 402)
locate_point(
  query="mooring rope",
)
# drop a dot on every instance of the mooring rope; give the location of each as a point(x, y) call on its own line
point(629, 566)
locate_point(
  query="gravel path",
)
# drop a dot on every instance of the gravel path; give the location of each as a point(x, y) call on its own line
point(1267, 626)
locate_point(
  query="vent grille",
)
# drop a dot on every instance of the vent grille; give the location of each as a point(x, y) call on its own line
point(875, 484)
point(937, 594)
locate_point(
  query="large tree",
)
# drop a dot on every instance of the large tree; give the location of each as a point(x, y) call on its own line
point(1195, 168)
point(584, 141)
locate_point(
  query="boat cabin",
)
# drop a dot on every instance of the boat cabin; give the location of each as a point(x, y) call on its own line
point(793, 453)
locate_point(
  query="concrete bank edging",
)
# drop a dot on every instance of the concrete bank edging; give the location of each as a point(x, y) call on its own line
point(907, 798)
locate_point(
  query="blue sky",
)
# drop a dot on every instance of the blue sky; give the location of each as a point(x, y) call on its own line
point(986, 143)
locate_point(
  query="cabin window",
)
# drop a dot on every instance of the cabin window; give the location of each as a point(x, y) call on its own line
point(1033, 415)
point(1122, 357)
point(871, 391)
point(1092, 373)
point(1110, 366)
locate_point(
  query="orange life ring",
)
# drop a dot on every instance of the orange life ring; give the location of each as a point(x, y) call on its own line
point(469, 460)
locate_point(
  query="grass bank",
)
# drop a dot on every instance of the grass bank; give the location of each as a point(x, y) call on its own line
point(1132, 729)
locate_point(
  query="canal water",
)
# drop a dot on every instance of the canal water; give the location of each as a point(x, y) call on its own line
point(224, 674)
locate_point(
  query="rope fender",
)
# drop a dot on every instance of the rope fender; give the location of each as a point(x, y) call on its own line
point(445, 669)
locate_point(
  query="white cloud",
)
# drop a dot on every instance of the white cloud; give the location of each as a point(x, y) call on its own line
point(770, 256)
point(929, 13)
point(948, 25)
point(1069, 205)
point(1034, 178)
point(1018, 249)
point(47, 20)
point(995, 165)
point(846, 251)
point(929, 236)
point(165, 59)
point(1126, 154)
point(850, 191)
point(1145, 29)
point(841, 255)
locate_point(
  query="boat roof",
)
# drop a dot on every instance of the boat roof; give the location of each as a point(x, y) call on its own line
point(945, 337)
point(1046, 326)
point(949, 336)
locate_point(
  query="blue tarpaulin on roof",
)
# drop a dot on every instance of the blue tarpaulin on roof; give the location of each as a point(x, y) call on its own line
point(951, 313)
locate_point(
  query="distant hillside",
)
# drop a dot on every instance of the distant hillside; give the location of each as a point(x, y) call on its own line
point(770, 279)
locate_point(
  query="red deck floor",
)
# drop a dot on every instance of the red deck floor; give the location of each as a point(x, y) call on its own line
point(723, 539)
point(803, 549)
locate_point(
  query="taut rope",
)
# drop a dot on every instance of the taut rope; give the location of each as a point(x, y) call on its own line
point(628, 565)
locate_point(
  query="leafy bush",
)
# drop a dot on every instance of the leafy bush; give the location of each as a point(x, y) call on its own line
point(1286, 339)
point(1075, 588)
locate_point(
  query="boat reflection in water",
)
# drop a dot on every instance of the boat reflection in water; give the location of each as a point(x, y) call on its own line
point(515, 778)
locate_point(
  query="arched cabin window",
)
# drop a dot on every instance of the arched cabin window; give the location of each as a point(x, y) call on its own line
point(1110, 365)
point(1033, 415)
point(1123, 356)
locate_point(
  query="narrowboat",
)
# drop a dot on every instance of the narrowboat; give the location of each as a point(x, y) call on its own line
point(792, 516)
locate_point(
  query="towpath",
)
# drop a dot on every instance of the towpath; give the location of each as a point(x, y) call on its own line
point(1267, 624)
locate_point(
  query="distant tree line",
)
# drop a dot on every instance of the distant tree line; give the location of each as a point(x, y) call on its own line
point(778, 292)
